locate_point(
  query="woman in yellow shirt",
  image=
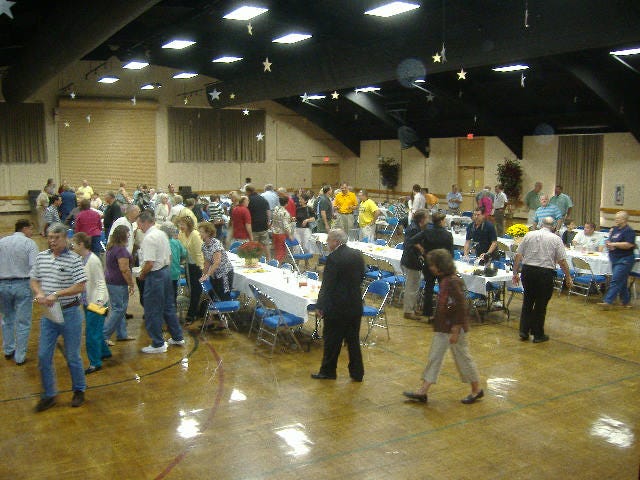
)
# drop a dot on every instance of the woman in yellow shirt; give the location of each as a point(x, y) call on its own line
point(190, 238)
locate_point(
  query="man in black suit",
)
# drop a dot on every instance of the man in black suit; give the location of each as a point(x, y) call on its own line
point(111, 213)
point(425, 241)
point(340, 305)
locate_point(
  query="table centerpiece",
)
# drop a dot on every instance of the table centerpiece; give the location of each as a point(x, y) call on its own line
point(517, 231)
point(251, 252)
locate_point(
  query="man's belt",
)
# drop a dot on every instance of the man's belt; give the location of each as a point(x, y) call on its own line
point(13, 279)
point(75, 303)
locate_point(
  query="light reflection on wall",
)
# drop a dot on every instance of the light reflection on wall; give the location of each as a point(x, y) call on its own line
point(296, 438)
point(613, 431)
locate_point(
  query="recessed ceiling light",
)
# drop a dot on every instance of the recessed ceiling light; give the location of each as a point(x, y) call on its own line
point(292, 38)
point(147, 86)
point(314, 97)
point(391, 9)
point(367, 89)
point(226, 59)
point(134, 65)
point(245, 13)
point(624, 53)
point(511, 68)
point(419, 80)
point(108, 79)
point(178, 44)
point(185, 75)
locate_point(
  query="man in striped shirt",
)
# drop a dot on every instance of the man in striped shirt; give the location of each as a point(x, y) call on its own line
point(216, 215)
point(547, 210)
point(57, 281)
point(51, 214)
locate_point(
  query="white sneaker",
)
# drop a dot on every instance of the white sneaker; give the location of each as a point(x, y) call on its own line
point(152, 349)
point(497, 304)
point(171, 341)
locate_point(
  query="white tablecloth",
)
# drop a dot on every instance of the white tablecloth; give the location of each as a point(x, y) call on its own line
point(273, 281)
point(458, 219)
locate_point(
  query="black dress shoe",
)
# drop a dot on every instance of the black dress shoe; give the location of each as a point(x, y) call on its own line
point(420, 397)
point(471, 398)
point(322, 376)
point(45, 403)
point(128, 316)
point(544, 338)
point(92, 369)
point(356, 379)
point(78, 398)
point(524, 337)
point(19, 364)
point(9, 356)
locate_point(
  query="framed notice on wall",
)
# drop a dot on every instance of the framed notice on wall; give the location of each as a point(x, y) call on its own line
point(619, 195)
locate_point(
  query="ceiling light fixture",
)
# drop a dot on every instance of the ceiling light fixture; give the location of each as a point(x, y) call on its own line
point(510, 68)
point(178, 44)
point(292, 38)
point(185, 75)
point(391, 9)
point(151, 86)
point(245, 13)
point(135, 65)
point(314, 97)
point(108, 79)
point(227, 59)
point(367, 89)
point(419, 80)
point(624, 53)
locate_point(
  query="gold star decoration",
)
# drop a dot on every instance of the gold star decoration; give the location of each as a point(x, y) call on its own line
point(250, 29)
point(335, 95)
point(260, 136)
point(462, 75)
point(245, 111)
point(67, 124)
point(267, 65)
point(437, 58)
point(232, 96)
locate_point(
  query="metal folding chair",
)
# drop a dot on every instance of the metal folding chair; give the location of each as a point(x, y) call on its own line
point(585, 280)
point(375, 298)
point(297, 253)
point(222, 308)
point(275, 323)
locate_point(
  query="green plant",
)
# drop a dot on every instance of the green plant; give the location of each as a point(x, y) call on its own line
point(389, 171)
point(250, 250)
point(510, 176)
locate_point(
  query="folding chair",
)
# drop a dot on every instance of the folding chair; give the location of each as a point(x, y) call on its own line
point(400, 246)
point(287, 266)
point(390, 228)
point(322, 259)
point(234, 246)
point(275, 322)
point(311, 309)
point(381, 241)
point(260, 311)
point(375, 298)
point(585, 280)
point(395, 280)
point(512, 290)
point(297, 253)
point(273, 262)
point(632, 284)
point(215, 306)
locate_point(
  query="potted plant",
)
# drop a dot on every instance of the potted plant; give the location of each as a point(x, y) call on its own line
point(517, 231)
point(510, 176)
point(251, 252)
point(389, 172)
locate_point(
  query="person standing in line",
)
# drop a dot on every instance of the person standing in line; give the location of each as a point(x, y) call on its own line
point(620, 244)
point(95, 292)
point(537, 257)
point(547, 210)
point(18, 254)
point(324, 210)
point(69, 202)
point(482, 233)
point(158, 291)
point(112, 212)
point(451, 326)
point(454, 199)
point(532, 201)
point(85, 190)
point(340, 305)
point(281, 229)
point(57, 280)
point(88, 221)
point(241, 221)
point(42, 202)
point(190, 238)
point(411, 263)
point(345, 203)
point(51, 214)
point(499, 206)
point(305, 221)
point(418, 202)
point(562, 201)
point(260, 218)
point(368, 212)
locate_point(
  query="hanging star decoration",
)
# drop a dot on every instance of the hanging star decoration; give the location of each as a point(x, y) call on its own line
point(430, 97)
point(462, 75)
point(260, 136)
point(443, 53)
point(186, 100)
point(475, 119)
point(5, 7)
point(335, 95)
point(215, 95)
point(522, 79)
point(72, 95)
point(133, 100)
point(305, 98)
point(232, 96)
point(245, 111)
point(67, 124)
point(250, 29)
point(437, 58)
point(267, 65)
point(526, 14)
point(88, 117)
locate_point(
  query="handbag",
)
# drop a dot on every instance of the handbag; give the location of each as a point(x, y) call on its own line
point(99, 309)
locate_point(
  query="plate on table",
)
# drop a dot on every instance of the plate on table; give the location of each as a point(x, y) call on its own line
point(254, 270)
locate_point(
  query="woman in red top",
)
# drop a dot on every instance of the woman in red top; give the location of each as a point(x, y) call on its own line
point(451, 325)
point(241, 221)
point(89, 222)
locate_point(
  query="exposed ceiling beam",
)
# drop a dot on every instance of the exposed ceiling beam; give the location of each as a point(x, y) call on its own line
point(73, 29)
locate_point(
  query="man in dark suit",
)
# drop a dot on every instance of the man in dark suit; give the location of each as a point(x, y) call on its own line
point(111, 213)
point(425, 241)
point(340, 305)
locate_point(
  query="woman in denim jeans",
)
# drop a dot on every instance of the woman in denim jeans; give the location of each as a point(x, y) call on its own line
point(621, 243)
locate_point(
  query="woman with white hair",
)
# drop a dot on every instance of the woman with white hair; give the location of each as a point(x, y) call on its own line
point(163, 208)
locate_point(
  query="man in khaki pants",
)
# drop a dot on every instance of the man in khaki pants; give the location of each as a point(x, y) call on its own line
point(345, 203)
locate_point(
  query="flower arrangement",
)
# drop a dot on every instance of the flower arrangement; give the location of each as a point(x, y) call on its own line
point(250, 250)
point(517, 230)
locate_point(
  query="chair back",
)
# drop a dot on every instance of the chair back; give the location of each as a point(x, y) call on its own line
point(234, 246)
point(381, 242)
point(287, 266)
point(376, 294)
point(291, 243)
point(467, 213)
point(311, 275)
point(206, 285)
point(400, 246)
point(581, 264)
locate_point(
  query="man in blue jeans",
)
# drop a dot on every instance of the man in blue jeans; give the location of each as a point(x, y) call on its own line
point(17, 257)
point(621, 243)
point(57, 280)
point(158, 290)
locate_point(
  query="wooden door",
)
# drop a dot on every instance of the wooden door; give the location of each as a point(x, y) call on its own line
point(324, 174)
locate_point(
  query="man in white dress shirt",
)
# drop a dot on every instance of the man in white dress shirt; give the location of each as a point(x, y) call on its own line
point(499, 205)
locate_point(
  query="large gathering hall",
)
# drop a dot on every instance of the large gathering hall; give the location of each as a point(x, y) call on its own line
point(510, 127)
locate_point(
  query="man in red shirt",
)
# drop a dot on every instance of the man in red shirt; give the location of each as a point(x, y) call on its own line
point(241, 221)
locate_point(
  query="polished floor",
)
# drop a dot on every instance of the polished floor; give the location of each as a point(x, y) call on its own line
point(218, 409)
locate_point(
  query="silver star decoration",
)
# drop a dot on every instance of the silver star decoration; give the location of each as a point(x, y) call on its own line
point(186, 100)
point(305, 98)
point(215, 94)
point(67, 124)
point(267, 65)
point(430, 97)
point(250, 29)
point(133, 100)
point(443, 53)
point(72, 95)
point(245, 111)
point(5, 7)
point(522, 79)
point(232, 96)
point(260, 136)
point(475, 119)
point(335, 95)
point(88, 117)
point(462, 75)
point(437, 58)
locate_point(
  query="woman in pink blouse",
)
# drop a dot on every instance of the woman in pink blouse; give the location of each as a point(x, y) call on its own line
point(89, 222)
